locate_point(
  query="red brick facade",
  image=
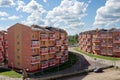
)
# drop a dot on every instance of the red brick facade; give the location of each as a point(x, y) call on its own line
point(102, 42)
point(3, 46)
point(35, 48)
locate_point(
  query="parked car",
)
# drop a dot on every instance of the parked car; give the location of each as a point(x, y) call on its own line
point(98, 70)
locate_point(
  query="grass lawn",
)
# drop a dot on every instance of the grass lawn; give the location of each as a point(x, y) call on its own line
point(9, 73)
point(97, 56)
point(72, 59)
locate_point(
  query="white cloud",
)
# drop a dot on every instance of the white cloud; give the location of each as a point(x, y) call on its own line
point(6, 3)
point(109, 14)
point(3, 19)
point(36, 11)
point(20, 4)
point(32, 6)
point(13, 17)
point(45, 1)
point(68, 14)
point(3, 13)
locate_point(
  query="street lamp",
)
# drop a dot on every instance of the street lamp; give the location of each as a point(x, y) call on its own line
point(24, 73)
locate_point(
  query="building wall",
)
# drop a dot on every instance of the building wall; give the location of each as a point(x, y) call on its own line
point(1, 48)
point(35, 47)
point(104, 42)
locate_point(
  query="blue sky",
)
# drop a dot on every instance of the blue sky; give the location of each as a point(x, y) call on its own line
point(74, 16)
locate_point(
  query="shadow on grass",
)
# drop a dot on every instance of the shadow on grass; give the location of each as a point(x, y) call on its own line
point(4, 70)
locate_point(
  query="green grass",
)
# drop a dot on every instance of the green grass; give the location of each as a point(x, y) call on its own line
point(9, 73)
point(72, 59)
point(97, 56)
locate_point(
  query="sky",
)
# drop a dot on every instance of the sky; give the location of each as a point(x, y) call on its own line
point(74, 16)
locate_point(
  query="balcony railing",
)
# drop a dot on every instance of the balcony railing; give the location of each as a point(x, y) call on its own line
point(58, 43)
point(106, 36)
point(1, 48)
point(35, 59)
point(116, 50)
point(62, 48)
point(88, 36)
point(96, 48)
point(1, 38)
point(57, 55)
point(51, 49)
point(35, 44)
point(43, 51)
point(43, 37)
point(62, 59)
point(51, 37)
point(109, 45)
point(66, 52)
point(51, 62)
point(96, 40)
point(116, 41)
point(44, 64)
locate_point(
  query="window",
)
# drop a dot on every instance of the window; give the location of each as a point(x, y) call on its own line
point(33, 50)
point(18, 43)
point(33, 36)
point(18, 57)
point(18, 36)
point(18, 63)
point(18, 50)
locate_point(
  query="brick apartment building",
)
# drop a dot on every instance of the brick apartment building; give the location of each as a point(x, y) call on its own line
point(36, 48)
point(101, 42)
point(3, 46)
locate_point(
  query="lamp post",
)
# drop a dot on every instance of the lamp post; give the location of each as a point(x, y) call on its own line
point(24, 74)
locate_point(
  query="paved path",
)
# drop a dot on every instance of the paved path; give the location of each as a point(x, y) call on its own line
point(108, 74)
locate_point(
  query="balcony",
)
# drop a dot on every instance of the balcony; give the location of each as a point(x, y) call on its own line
point(44, 64)
point(103, 44)
point(51, 62)
point(106, 44)
point(51, 50)
point(88, 43)
point(51, 36)
point(1, 38)
point(62, 59)
point(35, 44)
point(117, 40)
point(58, 43)
point(66, 52)
point(88, 36)
point(44, 51)
point(65, 42)
point(96, 40)
point(35, 59)
point(1, 48)
point(106, 36)
point(109, 45)
point(58, 55)
point(43, 37)
point(58, 48)
point(5, 44)
point(89, 50)
point(116, 50)
point(51, 43)
point(62, 48)
point(96, 48)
